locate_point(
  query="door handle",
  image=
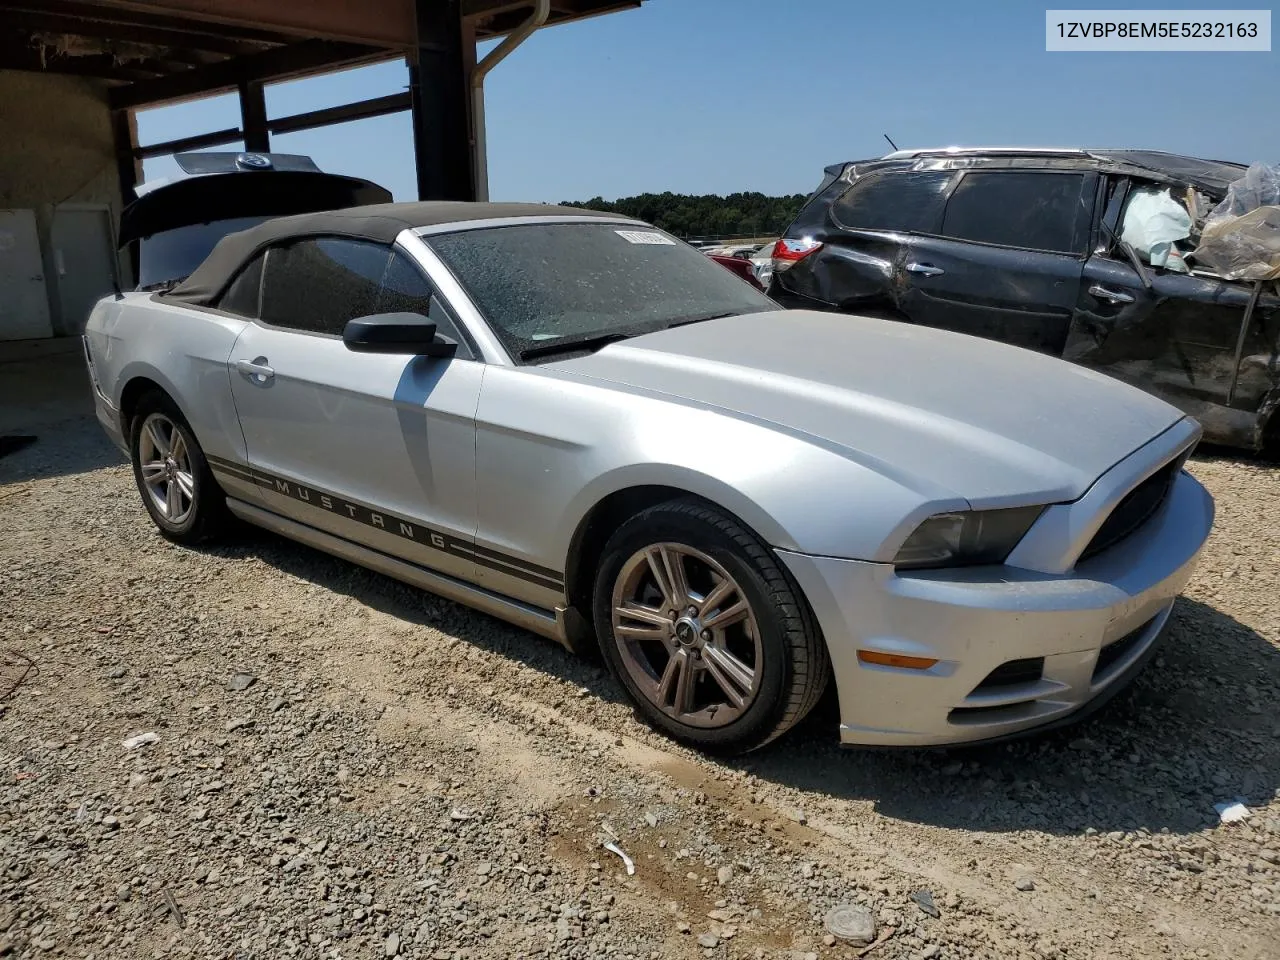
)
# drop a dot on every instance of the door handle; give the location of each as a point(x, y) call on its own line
point(928, 269)
point(1115, 296)
point(256, 370)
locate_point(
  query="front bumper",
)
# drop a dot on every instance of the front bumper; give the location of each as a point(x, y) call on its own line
point(1094, 625)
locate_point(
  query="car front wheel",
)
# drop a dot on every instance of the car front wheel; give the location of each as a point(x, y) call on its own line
point(705, 630)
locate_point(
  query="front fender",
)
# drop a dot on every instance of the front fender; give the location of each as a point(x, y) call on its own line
point(794, 496)
point(550, 448)
point(681, 477)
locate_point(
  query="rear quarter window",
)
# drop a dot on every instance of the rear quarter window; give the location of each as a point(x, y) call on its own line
point(241, 295)
point(901, 201)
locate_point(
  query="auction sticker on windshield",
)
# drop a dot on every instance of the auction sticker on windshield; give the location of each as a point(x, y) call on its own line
point(644, 236)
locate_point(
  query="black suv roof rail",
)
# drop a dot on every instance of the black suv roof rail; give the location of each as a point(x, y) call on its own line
point(962, 151)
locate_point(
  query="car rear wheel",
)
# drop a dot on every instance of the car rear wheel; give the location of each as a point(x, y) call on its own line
point(705, 630)
point(177, 487)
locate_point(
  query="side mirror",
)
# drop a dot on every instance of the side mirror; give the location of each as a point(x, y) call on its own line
point(403, 333)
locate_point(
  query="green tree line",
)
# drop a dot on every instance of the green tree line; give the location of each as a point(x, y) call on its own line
point(708, 215)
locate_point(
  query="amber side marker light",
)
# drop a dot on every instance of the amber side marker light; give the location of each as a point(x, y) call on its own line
point(895, 660)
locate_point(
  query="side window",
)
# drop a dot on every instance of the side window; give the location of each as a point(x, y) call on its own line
point(903, 201)
point(405, 289)
point(1032, 210)
point(318, 285)
point(241, 297)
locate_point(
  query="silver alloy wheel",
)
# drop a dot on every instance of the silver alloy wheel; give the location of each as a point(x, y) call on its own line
point(166, 468)
point(687, 635)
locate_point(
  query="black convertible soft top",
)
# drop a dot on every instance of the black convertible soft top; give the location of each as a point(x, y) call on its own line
point(381, 223)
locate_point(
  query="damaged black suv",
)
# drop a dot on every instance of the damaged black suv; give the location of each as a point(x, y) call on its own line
point(1025, 246)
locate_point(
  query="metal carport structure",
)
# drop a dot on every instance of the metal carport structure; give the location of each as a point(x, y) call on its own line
point(73, 73)
point(163, 51)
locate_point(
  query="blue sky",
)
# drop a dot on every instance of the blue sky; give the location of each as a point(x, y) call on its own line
point(715, 96)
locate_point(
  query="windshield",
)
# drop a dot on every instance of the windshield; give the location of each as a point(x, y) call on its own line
point(173, 255)
point(544, 285)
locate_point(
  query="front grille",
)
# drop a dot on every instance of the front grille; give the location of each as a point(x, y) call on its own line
point(1115, 651)
point(1137, 507)
point(1014, 673)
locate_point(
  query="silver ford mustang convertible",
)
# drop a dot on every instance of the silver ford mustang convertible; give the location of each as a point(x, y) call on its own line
point(581, 425)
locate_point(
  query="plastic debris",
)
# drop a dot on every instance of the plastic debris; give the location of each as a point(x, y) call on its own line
point(241, 681)
point(140, 740)
point(627, 861)
point(851, 922)
point(1229, 811)
point(1259, 187)
point(1153, 222)
point(1241, 237)
point(1242, 248)
point(924, 900)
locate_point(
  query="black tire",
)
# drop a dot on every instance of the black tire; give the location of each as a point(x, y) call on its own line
point(1270, 450)
point(207, 516)
point(790, 659)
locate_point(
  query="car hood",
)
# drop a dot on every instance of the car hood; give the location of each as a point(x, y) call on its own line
point(944, 413)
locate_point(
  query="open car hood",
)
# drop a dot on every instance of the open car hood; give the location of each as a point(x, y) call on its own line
point(226, 196)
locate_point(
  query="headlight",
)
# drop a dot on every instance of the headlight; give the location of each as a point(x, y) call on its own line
point(966, 539)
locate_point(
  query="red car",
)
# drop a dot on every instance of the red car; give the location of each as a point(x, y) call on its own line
point(739, 266)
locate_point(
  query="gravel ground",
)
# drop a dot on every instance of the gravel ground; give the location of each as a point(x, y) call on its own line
point(346, 767)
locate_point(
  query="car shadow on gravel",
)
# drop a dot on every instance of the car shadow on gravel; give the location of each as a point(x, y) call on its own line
point(1196, 727)
point(61, 448)
point(419, 607)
